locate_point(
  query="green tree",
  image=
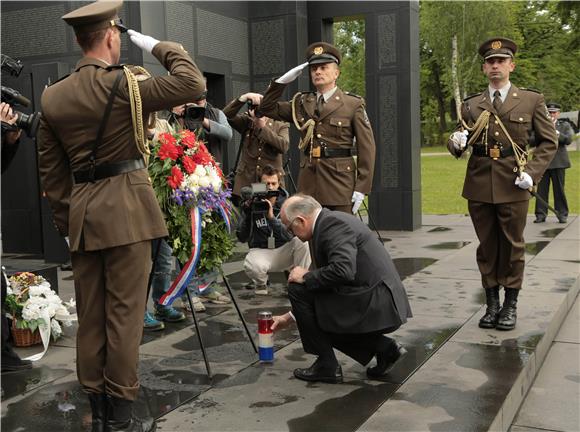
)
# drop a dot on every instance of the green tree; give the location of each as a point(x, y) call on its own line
point(349, 38)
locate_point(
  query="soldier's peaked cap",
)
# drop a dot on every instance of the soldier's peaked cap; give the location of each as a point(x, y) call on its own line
point(498, 47)
point(322, 52)
point(95, 16)
point(553, 107)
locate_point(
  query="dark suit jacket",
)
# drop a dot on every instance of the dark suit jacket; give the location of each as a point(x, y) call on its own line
point(358, 289)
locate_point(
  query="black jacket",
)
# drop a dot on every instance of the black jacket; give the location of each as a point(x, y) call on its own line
point(255, 227)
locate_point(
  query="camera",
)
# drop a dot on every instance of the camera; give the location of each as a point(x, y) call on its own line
point(27, 122)
point(253, 195)
point(252, 107)
point(194, 113)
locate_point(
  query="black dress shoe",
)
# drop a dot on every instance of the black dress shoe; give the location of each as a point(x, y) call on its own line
point(386, 361)
point(319, 372)
point(539, 219)
point(12, 363)
point(563, 220)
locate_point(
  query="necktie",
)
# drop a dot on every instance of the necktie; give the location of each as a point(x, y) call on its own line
point(497, 101)
point(319, 105)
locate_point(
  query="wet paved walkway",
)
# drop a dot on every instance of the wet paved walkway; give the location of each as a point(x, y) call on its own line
point(455, 377)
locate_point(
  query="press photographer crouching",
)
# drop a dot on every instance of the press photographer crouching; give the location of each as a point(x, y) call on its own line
point(272, 247)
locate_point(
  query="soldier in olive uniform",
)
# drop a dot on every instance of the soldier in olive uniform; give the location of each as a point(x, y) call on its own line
point(334, 127)
point(556, 172)
point(265, 142)
point(497, 124)
point(102, 199)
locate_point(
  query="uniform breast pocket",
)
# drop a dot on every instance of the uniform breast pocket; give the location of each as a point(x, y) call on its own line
point(521, 123)
point(341, 127)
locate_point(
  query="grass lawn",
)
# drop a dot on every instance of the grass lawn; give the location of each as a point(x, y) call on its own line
point(442, 182)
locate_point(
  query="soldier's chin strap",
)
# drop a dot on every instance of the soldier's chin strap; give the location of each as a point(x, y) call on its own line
point(307, 128)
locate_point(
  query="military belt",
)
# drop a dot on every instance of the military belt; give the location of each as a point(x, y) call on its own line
point(112, 169)
point(326, 152)
point(482, 151)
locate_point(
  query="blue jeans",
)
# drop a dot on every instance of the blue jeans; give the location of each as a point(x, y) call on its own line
point(161, 280)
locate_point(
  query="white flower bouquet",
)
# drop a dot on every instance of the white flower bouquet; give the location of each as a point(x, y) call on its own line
point(31, 304)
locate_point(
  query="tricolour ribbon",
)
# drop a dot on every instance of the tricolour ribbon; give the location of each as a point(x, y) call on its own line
point(182, 281)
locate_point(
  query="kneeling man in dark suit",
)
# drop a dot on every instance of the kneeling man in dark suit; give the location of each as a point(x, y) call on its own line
point(349, 299)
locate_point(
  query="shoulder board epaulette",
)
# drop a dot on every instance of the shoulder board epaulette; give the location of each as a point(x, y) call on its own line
point(353, 95)
point(60, 79)
point(117, 66)
point(531, 89)
point(471, 96)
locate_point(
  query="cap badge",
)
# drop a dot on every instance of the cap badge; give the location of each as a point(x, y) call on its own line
point(496, 45)
point(318, 50)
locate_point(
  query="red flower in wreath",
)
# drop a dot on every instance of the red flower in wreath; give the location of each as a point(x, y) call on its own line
point(188, 138)
point(188, 164)
point(167, 138)
point(176, 177)
point(169, 151)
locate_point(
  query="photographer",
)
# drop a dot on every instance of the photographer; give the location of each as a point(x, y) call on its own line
point(10, 140)
point(201, 117)
point(264, 141)
point(272, 247)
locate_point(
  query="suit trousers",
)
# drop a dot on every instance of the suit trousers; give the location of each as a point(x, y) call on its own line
point(110, 289)
point(259, 261)
point(500, 230)
point(558, 177)
point(362, 347)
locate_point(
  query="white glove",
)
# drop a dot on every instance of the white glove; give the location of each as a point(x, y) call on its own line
point(67, 241)
point(146, 43)
point(459, 140)
point(357, 199)
point(292, 74)
point(524, 181)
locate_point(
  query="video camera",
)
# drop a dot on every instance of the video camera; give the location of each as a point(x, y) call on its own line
point(252, 107)
point(253, 196)
point(27, 122)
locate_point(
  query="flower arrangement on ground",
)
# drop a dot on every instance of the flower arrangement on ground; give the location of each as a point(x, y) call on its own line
point(194, 196)
point(31, 303)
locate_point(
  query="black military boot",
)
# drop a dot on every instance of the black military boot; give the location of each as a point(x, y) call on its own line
point(120, 417)
point(489, 320)
point(508, 314)
point(99, 409)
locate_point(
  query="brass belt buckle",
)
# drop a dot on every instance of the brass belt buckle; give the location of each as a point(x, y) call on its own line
point(494, 153)
point(315, 152)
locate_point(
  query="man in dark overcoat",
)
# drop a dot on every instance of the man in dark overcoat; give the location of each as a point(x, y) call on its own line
point(351, 296)
point(102, 200)
point(497, 124)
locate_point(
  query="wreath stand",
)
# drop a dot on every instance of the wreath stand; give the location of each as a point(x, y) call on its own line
point(195, 321)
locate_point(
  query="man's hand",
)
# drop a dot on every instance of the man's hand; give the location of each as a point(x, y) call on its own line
point(270, 214)
point(524, 181)
point(254, 98)
point(297, 274)
point(259, 122)
point(146, 43)
point(281, 321)
point(357, 199)
point(7, 116)
point(292, 74)
point(459, 140)
point(178, 110)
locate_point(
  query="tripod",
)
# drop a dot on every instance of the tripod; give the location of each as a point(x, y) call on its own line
point(372, 224)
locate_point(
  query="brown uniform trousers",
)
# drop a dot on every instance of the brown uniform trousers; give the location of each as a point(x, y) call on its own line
point(342, 123)
point(498, 208)
point(111, 221)
point(266, 146)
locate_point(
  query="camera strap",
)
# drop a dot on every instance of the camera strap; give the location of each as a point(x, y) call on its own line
point(104, 121)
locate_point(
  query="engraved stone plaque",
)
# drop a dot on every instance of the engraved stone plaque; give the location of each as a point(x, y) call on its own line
point(389, 152)
point(387, 40)
point(268, 47)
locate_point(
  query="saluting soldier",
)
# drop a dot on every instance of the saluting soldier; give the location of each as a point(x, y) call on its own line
point(265, 142)
point(497, 124)
point(91, 154)
point(335, 128)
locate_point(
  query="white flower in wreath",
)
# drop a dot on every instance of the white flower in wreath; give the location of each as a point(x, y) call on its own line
point(204, 181)
point(200, 171)
point(55, 328)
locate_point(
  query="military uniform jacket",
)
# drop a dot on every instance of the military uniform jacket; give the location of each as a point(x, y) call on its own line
point(566, 133)
point(357, 287)
point(260, 147)
point(118, 210)
point(492, 181)
point(341, 124)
